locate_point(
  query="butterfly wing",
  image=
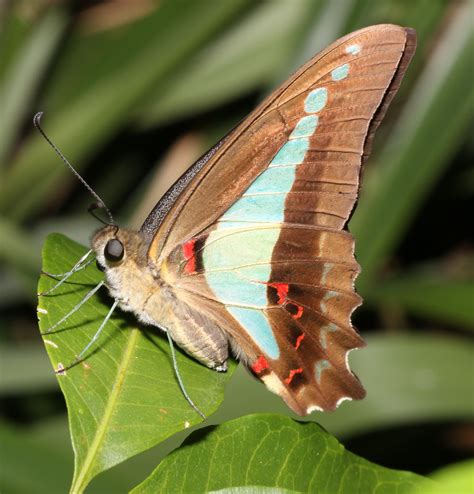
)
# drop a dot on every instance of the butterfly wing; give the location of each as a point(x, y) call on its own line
point(256, 236)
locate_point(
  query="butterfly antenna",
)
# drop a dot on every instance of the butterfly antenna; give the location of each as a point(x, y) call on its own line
point(101, 203)
point(178, 376)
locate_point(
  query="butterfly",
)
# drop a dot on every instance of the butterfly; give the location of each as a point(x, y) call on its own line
point(248, 253)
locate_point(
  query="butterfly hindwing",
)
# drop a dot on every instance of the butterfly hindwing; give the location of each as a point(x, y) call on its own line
point(257, 238)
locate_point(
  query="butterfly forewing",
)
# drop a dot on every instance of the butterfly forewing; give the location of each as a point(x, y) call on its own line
point(257, 237)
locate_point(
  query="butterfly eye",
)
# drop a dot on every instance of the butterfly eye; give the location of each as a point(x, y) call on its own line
point(114, 250)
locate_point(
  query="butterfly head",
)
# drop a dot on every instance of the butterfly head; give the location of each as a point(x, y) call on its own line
point(122, 255)
point(117, 248)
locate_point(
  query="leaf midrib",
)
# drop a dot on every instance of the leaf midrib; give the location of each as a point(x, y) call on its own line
point(81, 479)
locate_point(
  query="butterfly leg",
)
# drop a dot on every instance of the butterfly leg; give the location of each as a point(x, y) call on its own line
point(180, 381)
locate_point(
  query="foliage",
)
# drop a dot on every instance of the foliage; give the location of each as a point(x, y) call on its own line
point(272, 451)
point(123, 398)
point(453, 478)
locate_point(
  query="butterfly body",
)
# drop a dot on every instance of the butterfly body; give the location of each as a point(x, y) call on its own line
point(147, 293)
point(249, 252)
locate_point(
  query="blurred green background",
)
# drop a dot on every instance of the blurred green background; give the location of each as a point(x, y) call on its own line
point(133, 92)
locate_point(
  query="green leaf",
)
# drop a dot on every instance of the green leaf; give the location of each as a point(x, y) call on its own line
point(273, 451)
point(28, 462)
point(25, 75)
point(86, 122)
point(244, 57)
point(457, 478)
point(25, 369)
point(253, 490)
point(16, 250)
point(437, 298)
point(123, 398)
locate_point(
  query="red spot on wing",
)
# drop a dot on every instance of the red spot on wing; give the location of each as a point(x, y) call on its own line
point(260, 365)
point(299, 340)
point(292, 374)
point(188, 248)
point(299, 313)
point(191, 265)
point(189, 255)
point(295, 310)
point(282, 291)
